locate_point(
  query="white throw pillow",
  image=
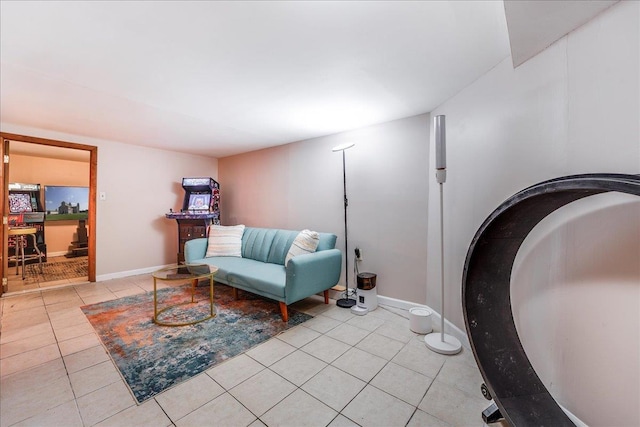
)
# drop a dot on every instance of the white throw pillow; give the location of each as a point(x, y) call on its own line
point(225, 240)
point(305, 242)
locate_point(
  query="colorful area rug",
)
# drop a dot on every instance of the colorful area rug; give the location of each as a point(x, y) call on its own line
point(153, 358)
point(52, 271)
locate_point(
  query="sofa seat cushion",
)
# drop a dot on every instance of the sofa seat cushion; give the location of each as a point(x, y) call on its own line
point(263, 277)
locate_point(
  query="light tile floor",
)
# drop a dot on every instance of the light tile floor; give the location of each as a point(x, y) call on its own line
point(337, 369)
point(15, 284)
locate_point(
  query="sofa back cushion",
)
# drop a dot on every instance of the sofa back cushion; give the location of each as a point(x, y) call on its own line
point(271, 245)
point(256, 243)
point(327, 241)
point(281, 245)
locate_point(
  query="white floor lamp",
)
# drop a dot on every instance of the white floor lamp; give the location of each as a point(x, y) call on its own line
point(345, 302)
point(440, 342)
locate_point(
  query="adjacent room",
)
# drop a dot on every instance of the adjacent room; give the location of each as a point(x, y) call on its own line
point(58, 180)
point(279, 213)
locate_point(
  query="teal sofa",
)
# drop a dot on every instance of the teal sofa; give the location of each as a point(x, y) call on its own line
point(261, 268)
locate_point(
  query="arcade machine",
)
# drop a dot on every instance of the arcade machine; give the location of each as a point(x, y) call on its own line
point(25, 210)
point(200, 209)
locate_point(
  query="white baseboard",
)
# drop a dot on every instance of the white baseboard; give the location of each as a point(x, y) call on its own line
point(449, 327)
point(577, 421)
point(59, 253)
point(121, 274)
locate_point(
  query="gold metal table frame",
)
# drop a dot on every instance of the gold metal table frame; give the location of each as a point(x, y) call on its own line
point(182, 273)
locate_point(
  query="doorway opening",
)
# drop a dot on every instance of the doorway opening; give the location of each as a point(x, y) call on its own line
point(49, 203)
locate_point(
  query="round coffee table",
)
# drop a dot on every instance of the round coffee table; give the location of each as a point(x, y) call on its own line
point(183, 273)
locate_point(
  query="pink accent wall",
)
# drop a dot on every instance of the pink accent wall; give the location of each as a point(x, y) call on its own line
point(300, 185)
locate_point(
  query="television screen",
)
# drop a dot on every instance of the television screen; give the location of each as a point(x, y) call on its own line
point(20, 202)
point(66, 203)
point(199, 202)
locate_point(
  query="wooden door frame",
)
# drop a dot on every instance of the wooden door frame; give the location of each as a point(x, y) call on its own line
point(93, 185)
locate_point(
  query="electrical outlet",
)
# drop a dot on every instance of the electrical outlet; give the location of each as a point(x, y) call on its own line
point(358, 254)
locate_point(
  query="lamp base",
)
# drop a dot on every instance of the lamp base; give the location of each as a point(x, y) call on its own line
point(450, 345)
point(345, 302)
point(360, 311)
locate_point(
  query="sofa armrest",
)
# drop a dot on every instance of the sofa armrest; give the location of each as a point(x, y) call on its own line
point(312, 273)
point(195, 249)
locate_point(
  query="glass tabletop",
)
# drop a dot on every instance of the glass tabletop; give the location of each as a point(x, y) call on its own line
point(185, 271)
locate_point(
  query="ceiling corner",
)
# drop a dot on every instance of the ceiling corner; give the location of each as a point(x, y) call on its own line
point(535, 25)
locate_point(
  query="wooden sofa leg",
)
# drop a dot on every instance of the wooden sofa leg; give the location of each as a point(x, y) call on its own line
point(284, 312)
point(235, 293)
point(326, 296)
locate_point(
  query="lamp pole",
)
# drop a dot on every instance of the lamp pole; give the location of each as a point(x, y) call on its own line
point(441, 343)
point(345, 302)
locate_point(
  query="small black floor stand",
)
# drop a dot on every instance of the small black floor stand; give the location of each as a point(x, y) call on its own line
point(346, 302)
point(492, 414)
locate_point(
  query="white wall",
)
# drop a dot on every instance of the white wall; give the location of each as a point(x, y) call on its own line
point(574, 108)
point(142, 184)
point(576, 293)
point(300, 185)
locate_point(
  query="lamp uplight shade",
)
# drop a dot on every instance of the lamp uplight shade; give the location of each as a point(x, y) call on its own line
point(343, 147)
point(441, 142)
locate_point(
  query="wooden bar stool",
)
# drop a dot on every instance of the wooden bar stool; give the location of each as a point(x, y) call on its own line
point(21, 233)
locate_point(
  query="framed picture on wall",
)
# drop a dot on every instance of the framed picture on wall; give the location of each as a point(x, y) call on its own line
point(66, 203)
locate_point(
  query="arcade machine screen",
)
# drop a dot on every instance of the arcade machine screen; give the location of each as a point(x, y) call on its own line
point(20, 202)
point(199, 202)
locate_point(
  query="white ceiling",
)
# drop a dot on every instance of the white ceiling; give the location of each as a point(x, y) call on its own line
point(221, 78)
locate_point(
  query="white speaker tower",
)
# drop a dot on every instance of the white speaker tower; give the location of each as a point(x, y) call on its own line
point(440, 342)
